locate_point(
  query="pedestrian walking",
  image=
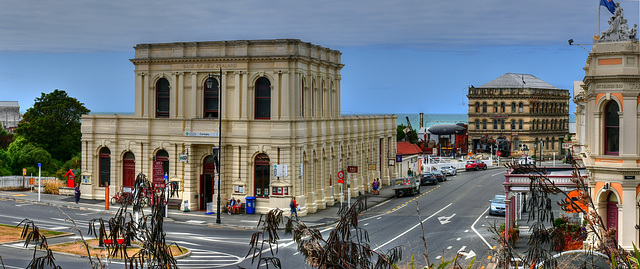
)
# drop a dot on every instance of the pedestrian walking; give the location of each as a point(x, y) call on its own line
point(76, 193)
point(294, 208)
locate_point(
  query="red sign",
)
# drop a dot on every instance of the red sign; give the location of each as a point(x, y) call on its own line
point(352, 169)
point(158, 175)
point(340, 176)
point(498, 153)
point(340, 181)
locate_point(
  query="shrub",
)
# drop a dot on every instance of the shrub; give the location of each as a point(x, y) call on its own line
point(51, 186)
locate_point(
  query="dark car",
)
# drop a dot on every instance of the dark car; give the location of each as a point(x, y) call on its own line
point(475, 165)
point(428, 178)
point(439, 176)
point(497, 206)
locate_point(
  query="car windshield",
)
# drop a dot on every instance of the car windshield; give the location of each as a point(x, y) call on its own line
point(498, 199)
point(469, 162)
point(427, 175)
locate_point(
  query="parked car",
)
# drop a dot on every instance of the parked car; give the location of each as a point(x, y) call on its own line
point(439, 176)
point(475, 165)
point(428, 178)
point(497, 206)
point(449, 170)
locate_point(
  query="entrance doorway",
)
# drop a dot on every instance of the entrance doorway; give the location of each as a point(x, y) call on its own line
point(612, 212)
point(262, 176)
point(128, 170)
point(207, 183)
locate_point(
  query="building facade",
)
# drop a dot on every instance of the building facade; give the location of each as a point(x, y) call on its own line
point(519, 114)
point(275, 106)
point(607, 116)
point(10, 115)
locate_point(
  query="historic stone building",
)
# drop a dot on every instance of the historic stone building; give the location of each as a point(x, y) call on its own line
point(282, 133)
point(519, 114)
point(608, 118)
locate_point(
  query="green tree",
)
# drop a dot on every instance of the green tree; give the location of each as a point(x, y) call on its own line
point(53, 123)
point(411, 135)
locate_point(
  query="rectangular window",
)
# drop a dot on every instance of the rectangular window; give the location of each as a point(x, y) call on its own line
point(520, 124)
point(502, 124)
point(477, 124)
point(484, 124)
point(105, 172)
point(513, 124)
point(495, 124)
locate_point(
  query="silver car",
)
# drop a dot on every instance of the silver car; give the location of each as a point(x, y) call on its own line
point(449, 170)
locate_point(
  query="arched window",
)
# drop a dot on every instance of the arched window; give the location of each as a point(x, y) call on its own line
point(484, 124)
point(495, 107)
point(513, 124)
point(162, 98)
point(321, 100)
point(513, 107)
point(495, 124)
point(520, 124)
point(502, 107)
point(611, 129)
point(262, 176)
point(263, 99)
point(484, 107)
point(163, 156)
point(313, 98)
point(553, 143)
point(302, 97)
point(105, 167)
point(477, 124)
point(520, 109)
point(211, 98)
point(501, 124)
point(477, 107)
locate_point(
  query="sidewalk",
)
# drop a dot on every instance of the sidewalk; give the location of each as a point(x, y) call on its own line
point(321, 218)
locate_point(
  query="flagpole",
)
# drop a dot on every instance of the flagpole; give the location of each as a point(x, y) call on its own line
point(599, 4)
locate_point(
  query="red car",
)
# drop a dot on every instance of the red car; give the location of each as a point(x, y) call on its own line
point(475, 165)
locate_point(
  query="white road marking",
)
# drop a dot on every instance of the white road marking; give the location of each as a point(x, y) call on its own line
point(438, 257)
point(458, 239)
point(466, 231)
point(415, 226)
point(476, 231)
point(449, 247)
point(462, 248)
point(497, 174)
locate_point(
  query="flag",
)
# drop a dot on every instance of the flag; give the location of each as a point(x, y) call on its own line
point(609, 4)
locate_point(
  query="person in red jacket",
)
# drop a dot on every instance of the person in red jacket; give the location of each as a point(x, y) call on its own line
point(294, 208)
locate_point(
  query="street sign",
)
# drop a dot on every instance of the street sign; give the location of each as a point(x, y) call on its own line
point(340, 176)
point(470, 153)
point(498, 153)
point(566, 145)
point(352, 169)
point(183, 158)
point(24, 171)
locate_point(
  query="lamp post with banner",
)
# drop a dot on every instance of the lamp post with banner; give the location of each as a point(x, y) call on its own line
point(217, 157)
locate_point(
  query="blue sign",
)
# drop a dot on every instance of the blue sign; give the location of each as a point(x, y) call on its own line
point(39, 165)
point(398, 158)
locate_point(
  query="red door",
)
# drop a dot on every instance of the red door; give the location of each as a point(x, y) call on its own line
point(206, 182)
point(612, 216)
point(128, 173)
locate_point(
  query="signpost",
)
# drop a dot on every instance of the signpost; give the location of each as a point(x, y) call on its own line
point(39, 181)
point(340, 181)
point(158, 175)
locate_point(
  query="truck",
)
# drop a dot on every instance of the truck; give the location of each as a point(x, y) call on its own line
point(406, 185)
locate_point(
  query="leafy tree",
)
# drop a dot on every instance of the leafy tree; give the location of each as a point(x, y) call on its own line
point(5, 163)
point(5, 138)
point(53, 123)
point(411, 135)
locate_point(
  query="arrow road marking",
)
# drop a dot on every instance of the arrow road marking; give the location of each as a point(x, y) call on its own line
point(469, 255)
point(445, 220)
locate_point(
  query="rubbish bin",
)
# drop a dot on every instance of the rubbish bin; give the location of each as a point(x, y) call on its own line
point(251, 204)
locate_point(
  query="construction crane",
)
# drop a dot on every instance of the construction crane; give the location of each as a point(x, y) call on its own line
point(407, 130)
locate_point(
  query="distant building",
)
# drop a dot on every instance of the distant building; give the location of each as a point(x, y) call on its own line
point(276, 107)
point(516, 112)
point(10, 115)
point(408, 158)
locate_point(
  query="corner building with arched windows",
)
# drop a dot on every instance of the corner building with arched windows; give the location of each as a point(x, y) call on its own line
point(608, 114)
point(279, 103)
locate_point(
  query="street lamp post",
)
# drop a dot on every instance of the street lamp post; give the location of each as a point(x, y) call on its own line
point(219, 154)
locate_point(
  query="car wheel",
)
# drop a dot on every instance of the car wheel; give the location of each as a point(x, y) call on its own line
point(477, 168)
point(397, 194)
point(485, 168)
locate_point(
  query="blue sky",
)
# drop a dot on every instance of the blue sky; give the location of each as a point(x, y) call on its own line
point(405, 56)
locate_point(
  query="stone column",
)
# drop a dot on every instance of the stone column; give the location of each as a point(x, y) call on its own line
point(193, 97)
point(627, 217)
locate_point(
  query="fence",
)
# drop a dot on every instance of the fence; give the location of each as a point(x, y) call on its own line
point(16, 181)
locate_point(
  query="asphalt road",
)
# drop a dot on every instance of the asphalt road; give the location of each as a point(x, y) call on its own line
point(454, 217)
